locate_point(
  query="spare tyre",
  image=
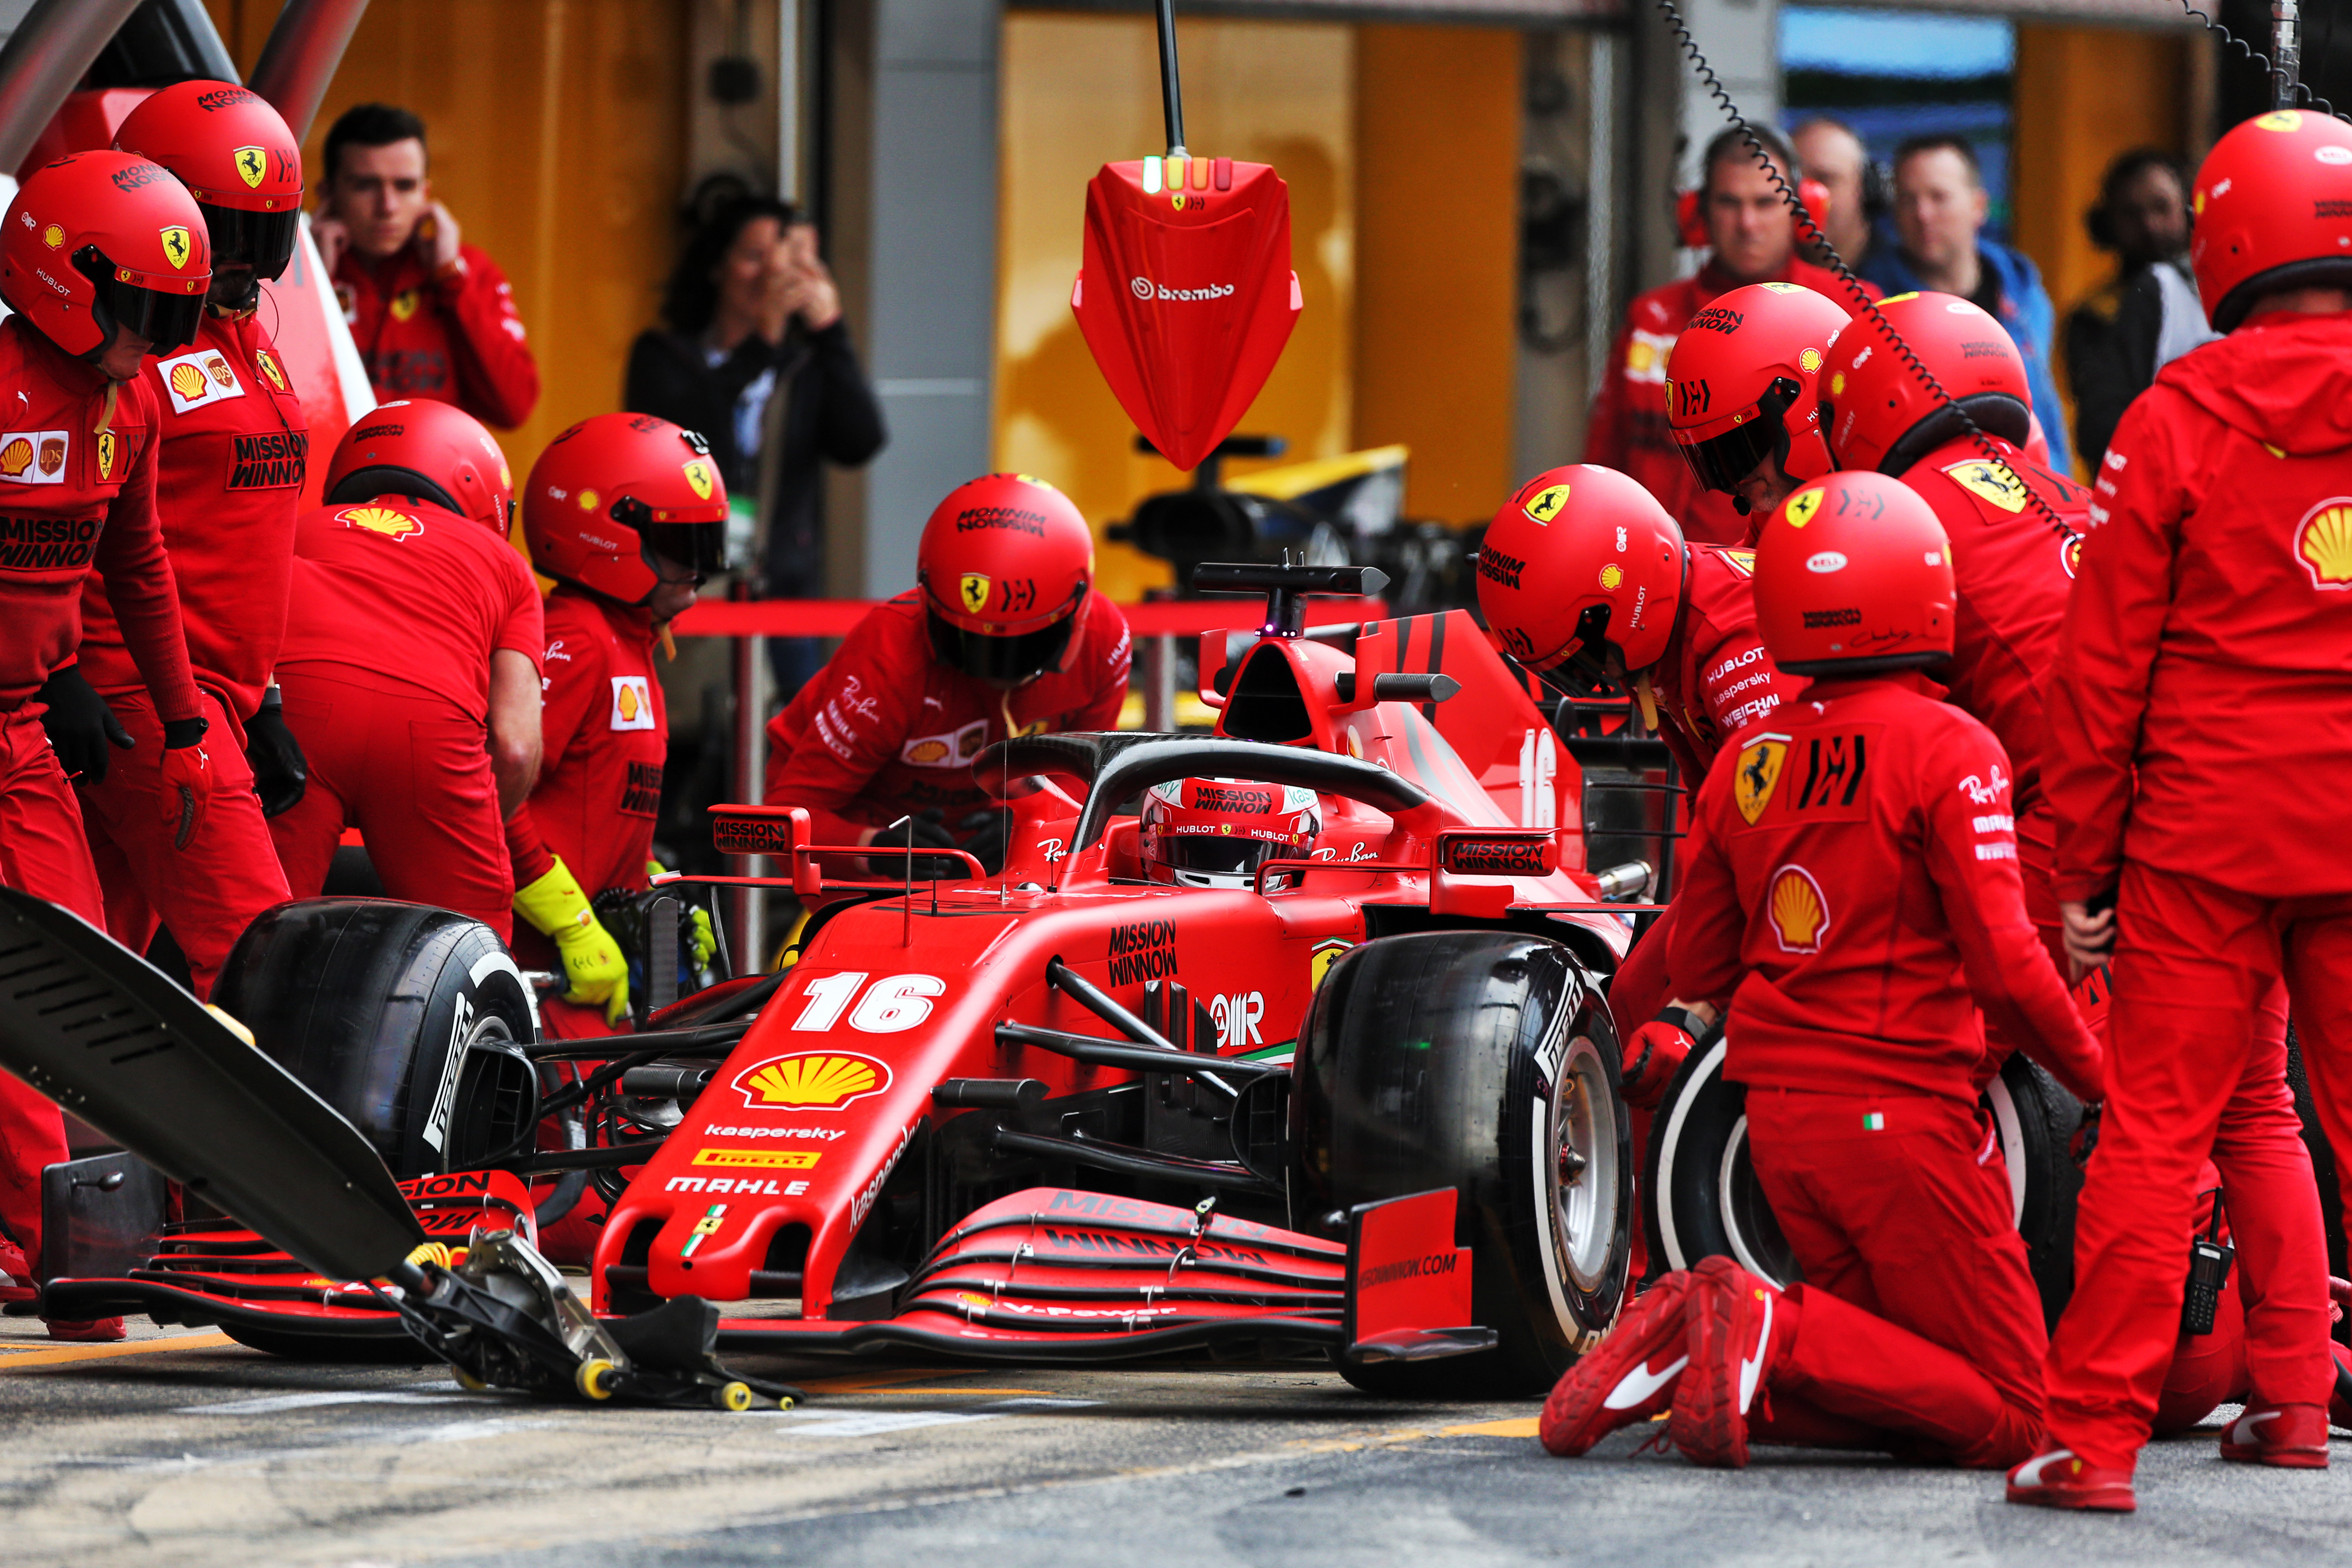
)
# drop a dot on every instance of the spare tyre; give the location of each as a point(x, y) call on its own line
point(411, 1021)
point(1484, 1061)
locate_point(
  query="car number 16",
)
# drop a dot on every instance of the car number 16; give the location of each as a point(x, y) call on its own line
point(894, 1003)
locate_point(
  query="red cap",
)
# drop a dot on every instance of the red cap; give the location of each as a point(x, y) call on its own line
point(105, 237)
point(1881, 413)
point(1582, 559)
point(2273, 210)
point(614, 488)
point(434, 451)
point(1854, 576)
point(1740, 383)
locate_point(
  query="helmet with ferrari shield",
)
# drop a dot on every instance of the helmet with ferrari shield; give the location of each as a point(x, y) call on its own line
point(1878, 406)
point(616, 490)
point(1582, 562)
point(237, 158)
point(1740, 384)
point(1216, 833)
point(1853, 576)
point(1004, 565)
point(103, 240)
point(431, 450)
point(2272, 210)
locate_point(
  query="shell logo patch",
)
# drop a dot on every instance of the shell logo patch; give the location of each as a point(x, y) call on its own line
point(188, 382)
point(1545, 504)
point(1994, 483)
point(109, 447)
point(175, 245)
point(32, 457)
point(811, 1080)
point(632, 702)
point(973, 589)
point(1799, 915)
point(268, 363)
point(251, 163)
point(1810, 361)
point(1837, 384)
point(53, 237)
point(1612, 576)
point(1759, 775)
point(699, 479)
point(390, 522)
point(193, 380)
point(2323, 543)
point(587, 500)
point(1801, 507)
point(950, 750)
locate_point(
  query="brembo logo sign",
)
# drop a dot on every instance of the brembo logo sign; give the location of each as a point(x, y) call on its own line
point(1145, 289)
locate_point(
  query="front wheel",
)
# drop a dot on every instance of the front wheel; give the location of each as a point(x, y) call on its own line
point(1484, 1061)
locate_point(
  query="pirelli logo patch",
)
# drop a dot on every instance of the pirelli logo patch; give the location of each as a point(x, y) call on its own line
point(276, 462)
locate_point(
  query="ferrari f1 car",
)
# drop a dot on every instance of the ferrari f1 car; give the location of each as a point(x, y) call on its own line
point(1366, 1107)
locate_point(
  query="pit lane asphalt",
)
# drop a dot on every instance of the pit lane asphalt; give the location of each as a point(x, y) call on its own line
point(181, 1448)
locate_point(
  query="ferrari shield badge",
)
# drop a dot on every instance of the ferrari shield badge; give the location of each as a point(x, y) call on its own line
point(108, 446)
point(175, 245)
point(698, 479)
point(252, 162)
point(1803, 505)
point(1991, 482)
point(1545, 505)
point(974, 589)
point(1760, 772)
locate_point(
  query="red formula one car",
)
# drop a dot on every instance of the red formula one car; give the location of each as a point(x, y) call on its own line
point(1365, 1106)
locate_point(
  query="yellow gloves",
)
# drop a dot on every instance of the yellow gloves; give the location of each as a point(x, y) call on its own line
point(593, 962)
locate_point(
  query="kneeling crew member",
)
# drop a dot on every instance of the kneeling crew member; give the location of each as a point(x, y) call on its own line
point(1855, 878)
point(411, 665)
point(628, 513)
point(1004, 635)
point(103, 259)
point(228, 483)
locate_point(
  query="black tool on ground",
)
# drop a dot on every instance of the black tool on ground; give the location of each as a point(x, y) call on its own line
point(2210, 1258)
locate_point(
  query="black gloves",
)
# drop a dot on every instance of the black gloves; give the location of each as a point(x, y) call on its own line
point(280, 772)
point(987, 836)
point(81, 725)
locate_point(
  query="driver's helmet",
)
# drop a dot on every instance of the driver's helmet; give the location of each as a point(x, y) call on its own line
point(1216, 833)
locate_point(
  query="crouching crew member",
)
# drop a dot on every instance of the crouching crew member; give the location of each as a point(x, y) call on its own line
point(628, 513)
point(104, 257)
point(411, 665)
point(2209, 852)
point(1742, 394)
point(1855, 878)
point(229, 470)
point(1004, 635)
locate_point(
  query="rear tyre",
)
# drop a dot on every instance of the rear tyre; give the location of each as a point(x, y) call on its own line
point(410, 1021)
point(1484, 1061)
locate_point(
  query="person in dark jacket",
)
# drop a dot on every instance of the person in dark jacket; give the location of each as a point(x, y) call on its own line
point(758, 358)
point(2147, 315)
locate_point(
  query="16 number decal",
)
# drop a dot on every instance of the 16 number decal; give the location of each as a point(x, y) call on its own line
point(895, 1003)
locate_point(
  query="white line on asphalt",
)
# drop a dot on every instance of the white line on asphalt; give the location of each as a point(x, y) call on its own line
point(272, 1403)
point(807, 1423)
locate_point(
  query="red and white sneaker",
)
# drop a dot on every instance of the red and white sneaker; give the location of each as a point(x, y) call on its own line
point(1740, 1330)
point(1628, 1377)
point(88, 1330)
point(16, 1274)
point(2292, 1437)
point(2058, 1480)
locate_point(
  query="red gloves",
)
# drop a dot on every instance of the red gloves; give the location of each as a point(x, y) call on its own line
point(1654, 1053)
point(187, 779)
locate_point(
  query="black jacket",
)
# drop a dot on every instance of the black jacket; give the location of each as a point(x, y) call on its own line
point(822, 408)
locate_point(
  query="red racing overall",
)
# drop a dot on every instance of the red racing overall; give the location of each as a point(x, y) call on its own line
point(1855, 878)
point(228, 483)
point(2201, 725)
point(453, 336)
point(398, 608)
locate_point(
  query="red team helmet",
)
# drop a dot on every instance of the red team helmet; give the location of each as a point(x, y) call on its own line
point(1005, 565)
point(101, 239)
point(614, 490)
point(1216, 833)
point(431, 450)
point(236, 157)
point(1854, 576)
point(2273, 210)
point(1581, 560)
point(1879, 410)
point(1740, 384)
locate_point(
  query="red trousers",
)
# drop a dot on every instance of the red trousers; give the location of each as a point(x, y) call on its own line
point(2037, 857)
point(207, 893)
point(2197, 1065)
point(412, 773)
point(42, 852)
point(1919, 1329)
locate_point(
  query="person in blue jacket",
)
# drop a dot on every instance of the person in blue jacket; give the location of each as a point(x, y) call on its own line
point(1939, 211)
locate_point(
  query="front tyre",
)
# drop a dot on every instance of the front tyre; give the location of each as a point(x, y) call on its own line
point(1484, 1061)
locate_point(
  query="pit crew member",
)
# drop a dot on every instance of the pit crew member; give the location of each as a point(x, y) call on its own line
point(104, 259)
point(2216, 580)
point(1855, 878)
point(1742, 386)
point(411, 664)
point(1216, 833)
point(230, 455)
point(1002, 636)
point(628, 514)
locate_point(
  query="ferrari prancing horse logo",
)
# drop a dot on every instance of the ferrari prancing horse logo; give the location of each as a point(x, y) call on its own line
point(175, 245)
point(1760, 772)
point(252, 162)
point(974, 588)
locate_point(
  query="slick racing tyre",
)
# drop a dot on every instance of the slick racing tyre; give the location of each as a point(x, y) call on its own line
point(1484, 1061)
point(410, 1021)
point(1701, 1197)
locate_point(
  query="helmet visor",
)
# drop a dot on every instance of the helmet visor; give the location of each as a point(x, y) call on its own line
point(1722, 461)
point(701, 546)
point(264, 241)
point(1217, 854)
point(166, 321)
point(1007, 660)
